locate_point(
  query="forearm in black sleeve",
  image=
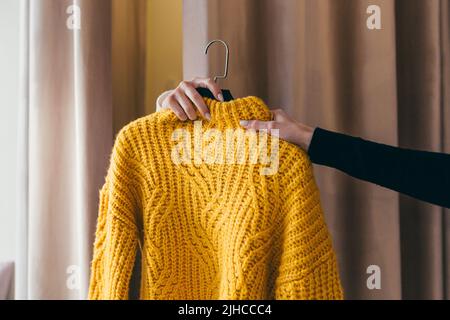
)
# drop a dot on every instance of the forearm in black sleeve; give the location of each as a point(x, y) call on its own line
point(419, 174)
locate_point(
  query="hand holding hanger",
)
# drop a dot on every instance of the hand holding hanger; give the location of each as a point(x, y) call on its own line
point(184, 100)
point(187, 97)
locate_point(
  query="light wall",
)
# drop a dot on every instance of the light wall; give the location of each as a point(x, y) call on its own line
point(164, 47)
point(9, 99)
point(146, 55)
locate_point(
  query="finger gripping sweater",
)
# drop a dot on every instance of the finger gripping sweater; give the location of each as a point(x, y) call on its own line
point(207, 227)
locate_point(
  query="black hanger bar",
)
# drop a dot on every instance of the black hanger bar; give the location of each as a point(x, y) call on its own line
point(208, 94)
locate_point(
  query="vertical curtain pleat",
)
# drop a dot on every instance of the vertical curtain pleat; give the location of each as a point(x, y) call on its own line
point(420, 104)
point(70, 139)
point(93, 116)
point(51, 111)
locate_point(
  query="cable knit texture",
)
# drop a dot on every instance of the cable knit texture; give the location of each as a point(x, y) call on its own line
point(208, 230)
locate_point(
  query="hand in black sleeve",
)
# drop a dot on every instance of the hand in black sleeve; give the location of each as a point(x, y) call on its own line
point(419, 174)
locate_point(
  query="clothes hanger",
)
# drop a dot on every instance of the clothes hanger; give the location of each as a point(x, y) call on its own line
point(227, 96)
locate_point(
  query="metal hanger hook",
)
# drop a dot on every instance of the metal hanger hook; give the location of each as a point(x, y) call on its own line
point(227, 55)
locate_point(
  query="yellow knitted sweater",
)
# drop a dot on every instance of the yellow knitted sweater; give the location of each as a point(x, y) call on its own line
point(210, 230)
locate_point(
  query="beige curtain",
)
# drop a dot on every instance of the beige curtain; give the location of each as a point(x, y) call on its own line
point(68, 119)
point(67, 108)
point(319, 61)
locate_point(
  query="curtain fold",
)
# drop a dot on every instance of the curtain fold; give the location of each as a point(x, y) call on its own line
point(69, 127)
point(68, 123)
point(319, 61)
point(421, 54)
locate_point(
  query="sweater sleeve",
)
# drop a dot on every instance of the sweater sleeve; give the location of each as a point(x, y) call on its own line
point(308, 267)
point(116, 236)
point(419, 174)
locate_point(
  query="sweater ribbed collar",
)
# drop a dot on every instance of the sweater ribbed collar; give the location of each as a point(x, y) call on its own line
point(229, 113)
point(248, 108)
